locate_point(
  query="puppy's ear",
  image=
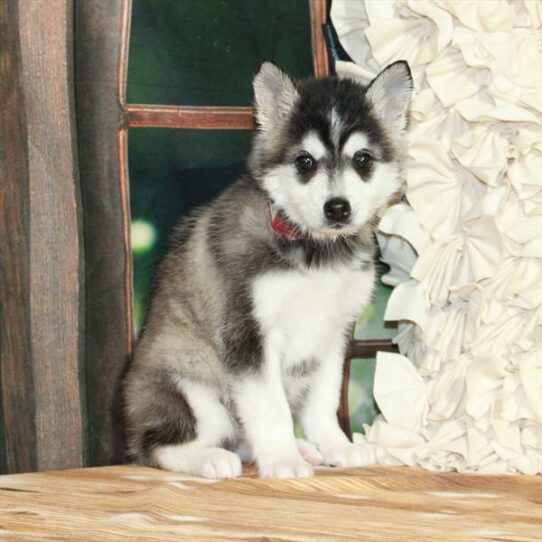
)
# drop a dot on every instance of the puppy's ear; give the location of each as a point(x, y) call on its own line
point(274, 95)
point(390, 92)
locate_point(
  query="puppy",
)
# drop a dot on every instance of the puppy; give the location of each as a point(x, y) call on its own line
point(252, 308)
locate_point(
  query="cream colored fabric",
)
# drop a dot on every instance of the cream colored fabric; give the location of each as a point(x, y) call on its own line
point(466, 251)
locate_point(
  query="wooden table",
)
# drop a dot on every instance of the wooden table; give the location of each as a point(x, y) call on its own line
point(400, 504)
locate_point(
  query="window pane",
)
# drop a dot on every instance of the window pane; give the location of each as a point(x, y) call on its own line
point(371, 323)
point(361, 404)
point(171, 173)
point(205, 52)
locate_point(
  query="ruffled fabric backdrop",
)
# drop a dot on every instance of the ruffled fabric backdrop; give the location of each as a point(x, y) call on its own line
point(465, 252)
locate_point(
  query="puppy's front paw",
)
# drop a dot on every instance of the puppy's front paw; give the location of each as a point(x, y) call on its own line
point(309, 452)
point(284, 467)
point(218, 464)
point(345, 455)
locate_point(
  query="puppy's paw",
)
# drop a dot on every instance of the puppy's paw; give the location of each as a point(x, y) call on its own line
point(293, 466)
point(345, 455)
point(309, 452)
point(218, 464)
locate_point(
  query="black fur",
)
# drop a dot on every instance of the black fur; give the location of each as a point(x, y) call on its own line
point(317, 98)
point(167, 421)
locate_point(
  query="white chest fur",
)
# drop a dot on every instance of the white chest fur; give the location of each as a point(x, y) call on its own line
point(308, 311)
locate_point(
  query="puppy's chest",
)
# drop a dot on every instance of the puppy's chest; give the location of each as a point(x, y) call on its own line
point(309, 311)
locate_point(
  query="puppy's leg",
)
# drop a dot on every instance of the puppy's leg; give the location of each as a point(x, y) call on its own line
point(204, 455)
point(267, 420)
point(179, 426)
point(319, 414)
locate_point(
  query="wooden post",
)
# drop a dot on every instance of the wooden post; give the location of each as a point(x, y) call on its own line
point(102, 30)
point(41, 282)
point(320, 58)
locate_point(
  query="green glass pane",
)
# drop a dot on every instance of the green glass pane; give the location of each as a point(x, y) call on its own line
point(205, 52)
point(371, 324)
point(361, 405)
point(171, 173)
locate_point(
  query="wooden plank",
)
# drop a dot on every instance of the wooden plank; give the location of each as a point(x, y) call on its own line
point(200, 118)
point(46, 272)
point(17, 382)
point(124, 49)
point(55, 231)
point(369, 348)
point(318, 9)
point(377, 504)
point(100, 65)
point(343, 412)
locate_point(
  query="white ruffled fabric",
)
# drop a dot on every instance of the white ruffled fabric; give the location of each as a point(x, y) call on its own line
point(465, 253)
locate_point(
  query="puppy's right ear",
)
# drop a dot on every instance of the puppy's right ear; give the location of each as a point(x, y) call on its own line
point(274, 95)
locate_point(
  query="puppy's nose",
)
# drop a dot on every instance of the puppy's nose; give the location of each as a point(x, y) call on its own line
point(337, 209)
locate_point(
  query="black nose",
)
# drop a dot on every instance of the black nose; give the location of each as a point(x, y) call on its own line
point(337, 209)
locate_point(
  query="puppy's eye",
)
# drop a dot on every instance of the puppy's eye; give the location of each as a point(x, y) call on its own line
point(363, 161)
point(305, 163)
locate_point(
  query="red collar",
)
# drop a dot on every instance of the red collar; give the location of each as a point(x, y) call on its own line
point(282, 227)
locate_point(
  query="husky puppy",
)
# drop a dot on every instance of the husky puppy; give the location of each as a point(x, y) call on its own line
point(253, 305)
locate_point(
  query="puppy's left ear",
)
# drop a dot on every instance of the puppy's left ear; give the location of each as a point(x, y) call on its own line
point(274, 95)
point(390, 92)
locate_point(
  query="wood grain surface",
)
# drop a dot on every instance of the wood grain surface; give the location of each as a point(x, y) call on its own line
point(56, 251)
point(185, 116)
point(380, 503)
point(101, 29)
point(318, 10)
point(42, 281)
point(18, 451)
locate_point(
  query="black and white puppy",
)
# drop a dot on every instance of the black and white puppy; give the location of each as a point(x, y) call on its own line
point(248, 325)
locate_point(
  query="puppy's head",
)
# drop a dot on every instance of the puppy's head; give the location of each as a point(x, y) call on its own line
point(326, 150)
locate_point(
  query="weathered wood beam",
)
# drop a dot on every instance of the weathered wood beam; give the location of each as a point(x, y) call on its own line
point(199, 118)
point(41, 283)
point(318, 10)
point(102, 31)
point(369, 348)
